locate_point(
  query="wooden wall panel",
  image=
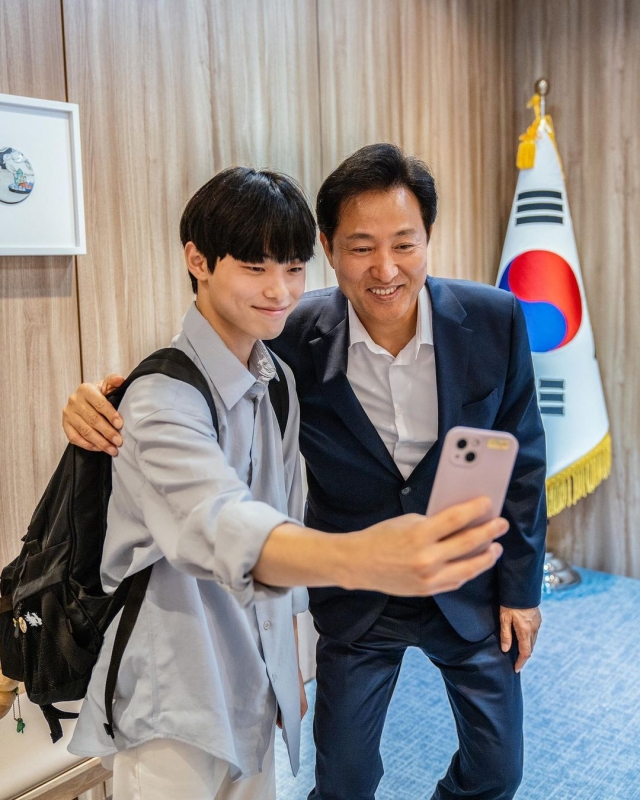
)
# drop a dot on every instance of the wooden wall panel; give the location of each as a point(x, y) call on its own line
point(39, 336)
point(265, 99)
point(590, 51)
point(435, 78)
point(172, 93)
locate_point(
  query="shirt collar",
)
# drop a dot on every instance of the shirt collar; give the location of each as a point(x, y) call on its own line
point(230, 377)
point(424, 327)
point(425, 323)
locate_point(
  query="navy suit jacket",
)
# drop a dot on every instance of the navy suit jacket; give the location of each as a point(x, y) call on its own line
point(485, 379)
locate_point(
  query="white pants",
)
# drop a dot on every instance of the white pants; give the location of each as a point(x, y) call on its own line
point(164, 769)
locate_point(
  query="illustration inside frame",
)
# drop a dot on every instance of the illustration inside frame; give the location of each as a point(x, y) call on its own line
point(17, 176)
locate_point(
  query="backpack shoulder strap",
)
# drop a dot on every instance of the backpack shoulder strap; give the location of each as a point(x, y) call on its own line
point(173, 363)
point(134, 589)
point(279, 394)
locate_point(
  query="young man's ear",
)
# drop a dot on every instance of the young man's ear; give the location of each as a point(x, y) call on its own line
point(196, 262)
point(327, 248)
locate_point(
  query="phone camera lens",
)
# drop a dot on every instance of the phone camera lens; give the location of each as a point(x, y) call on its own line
point(470, 457)
point(462, 443)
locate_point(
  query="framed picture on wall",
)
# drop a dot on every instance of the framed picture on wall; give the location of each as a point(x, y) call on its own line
point(41, 200)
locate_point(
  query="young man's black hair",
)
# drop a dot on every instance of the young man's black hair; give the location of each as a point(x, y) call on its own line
point(375, 168)
point(251, 215)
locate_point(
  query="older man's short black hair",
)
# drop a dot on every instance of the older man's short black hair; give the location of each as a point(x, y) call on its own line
point(375, 168)
point(251, 215)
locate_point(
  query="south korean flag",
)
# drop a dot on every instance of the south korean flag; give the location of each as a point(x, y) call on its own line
point(540, 266)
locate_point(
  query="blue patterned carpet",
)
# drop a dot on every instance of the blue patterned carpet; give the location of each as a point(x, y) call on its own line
point(582, 708)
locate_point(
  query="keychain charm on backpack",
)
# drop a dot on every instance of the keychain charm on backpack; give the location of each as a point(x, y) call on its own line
point(21, 725)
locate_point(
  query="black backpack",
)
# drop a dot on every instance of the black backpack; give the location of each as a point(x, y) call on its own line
point(53, 610)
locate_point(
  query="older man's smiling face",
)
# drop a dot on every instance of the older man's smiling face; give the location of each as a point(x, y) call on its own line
point(379, 253)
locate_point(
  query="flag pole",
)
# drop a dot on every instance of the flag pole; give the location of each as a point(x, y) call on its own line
point(558, 573)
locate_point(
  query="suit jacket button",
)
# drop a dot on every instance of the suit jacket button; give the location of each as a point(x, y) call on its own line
point(406, 490)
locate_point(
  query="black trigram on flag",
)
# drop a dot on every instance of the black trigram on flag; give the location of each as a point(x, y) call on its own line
point(539, 205)
point(551, 396)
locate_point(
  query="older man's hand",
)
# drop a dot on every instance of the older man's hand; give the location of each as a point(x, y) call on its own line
point(526, 623)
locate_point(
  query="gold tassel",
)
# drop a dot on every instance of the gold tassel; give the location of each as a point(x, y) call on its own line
point(580, 478)
point(526, 157)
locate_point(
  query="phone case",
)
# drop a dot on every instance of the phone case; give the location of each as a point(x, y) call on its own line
point(473, 462)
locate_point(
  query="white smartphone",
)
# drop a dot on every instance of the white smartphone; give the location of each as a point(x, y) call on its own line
point(473, 463)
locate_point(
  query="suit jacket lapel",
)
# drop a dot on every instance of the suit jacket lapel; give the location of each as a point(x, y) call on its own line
point(330, 352)
point(451, 342)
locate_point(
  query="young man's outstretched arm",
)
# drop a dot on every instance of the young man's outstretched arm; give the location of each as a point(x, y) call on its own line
point(410, 555)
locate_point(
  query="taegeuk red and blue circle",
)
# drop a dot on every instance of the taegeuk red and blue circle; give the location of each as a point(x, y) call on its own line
point(549, 295)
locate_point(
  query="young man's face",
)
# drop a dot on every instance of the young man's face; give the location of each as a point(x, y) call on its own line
point(245, 302)
point(379, 253)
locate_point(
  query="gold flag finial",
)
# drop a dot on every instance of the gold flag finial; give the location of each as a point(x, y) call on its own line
point(527, 150)
point(542, 87)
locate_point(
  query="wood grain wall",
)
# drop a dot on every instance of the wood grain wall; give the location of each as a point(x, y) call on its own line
point(590, 51)
point(171, 92)
point(39, 337)
point(177, 92)
point(431, 77)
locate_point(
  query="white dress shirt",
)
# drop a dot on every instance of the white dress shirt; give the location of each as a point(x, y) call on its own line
point(212, 654)
point(399, 395)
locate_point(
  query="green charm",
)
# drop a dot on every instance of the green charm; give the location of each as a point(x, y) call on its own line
point(21, 725)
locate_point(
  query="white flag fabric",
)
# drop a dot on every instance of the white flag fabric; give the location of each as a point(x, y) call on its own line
point(540, 266)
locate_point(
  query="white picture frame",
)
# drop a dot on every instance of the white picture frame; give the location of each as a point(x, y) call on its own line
point(50, 220)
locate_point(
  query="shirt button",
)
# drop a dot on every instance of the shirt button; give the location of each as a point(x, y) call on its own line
point(274, 677)
point(266, 625)
point(255, 462)
point(406, 490)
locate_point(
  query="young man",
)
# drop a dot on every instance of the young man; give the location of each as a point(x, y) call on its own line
point(212, 659)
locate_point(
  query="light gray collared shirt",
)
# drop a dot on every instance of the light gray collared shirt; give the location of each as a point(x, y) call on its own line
point(213, 654)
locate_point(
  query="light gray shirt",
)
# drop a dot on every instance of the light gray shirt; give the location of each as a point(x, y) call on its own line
point(213, 654)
